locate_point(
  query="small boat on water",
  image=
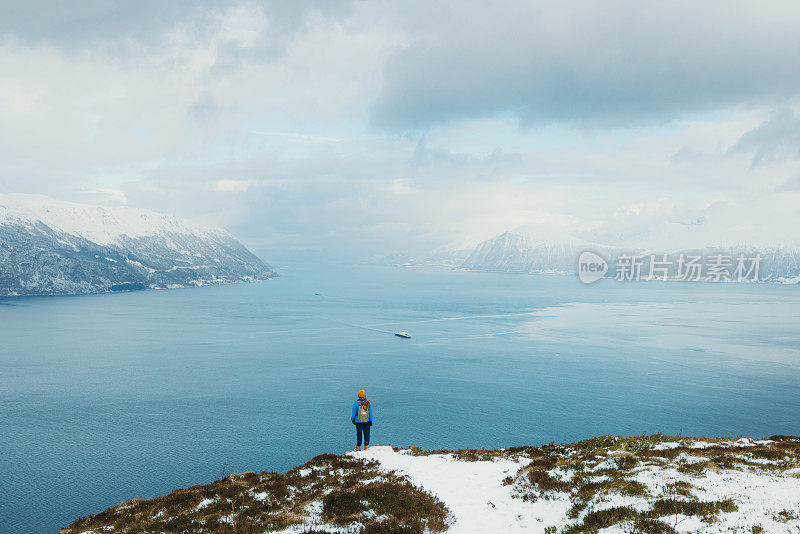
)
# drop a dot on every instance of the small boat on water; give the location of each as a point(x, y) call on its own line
point(403, 333)
point(317, 293)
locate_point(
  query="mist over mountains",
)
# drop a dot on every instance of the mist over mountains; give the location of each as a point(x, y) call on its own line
point(531, 250)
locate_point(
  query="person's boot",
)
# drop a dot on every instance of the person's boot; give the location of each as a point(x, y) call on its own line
point(359, 448)
point(366, 447)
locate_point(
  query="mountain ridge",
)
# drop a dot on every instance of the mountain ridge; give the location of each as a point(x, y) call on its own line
point(52, 247)
point(521, 251)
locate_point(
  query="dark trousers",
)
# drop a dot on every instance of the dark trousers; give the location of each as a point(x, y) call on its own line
point(362, 428)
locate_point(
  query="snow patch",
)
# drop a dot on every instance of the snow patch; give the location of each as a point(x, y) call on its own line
point(473, 491)
point(204, 503)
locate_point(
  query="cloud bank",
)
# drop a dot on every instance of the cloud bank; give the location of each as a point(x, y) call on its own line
point(360, 129)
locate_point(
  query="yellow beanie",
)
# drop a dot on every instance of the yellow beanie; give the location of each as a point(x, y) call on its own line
point(361, 394)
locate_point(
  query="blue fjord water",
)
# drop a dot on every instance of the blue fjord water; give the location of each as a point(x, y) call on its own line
point(108, 397)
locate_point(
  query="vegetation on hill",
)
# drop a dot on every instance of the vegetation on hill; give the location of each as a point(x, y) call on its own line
point(647, 484)
point(328, 489)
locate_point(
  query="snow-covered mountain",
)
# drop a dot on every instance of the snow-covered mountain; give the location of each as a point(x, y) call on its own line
point(526, 251)
point(529, 250)
point(53, 247)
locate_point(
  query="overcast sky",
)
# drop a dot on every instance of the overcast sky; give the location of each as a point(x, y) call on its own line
point(359, 129)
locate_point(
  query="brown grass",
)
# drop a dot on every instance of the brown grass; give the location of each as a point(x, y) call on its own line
point(255, 502)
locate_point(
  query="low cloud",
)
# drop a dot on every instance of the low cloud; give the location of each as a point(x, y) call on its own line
point(106, 195)
point(236, 186)
point(774, 140)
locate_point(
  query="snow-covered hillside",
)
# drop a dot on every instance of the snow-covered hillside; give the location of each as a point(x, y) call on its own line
point(54, 247)
point(682, 485)
point(645, 484)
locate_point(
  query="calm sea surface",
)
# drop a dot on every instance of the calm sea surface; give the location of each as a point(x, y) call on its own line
point(108, 397)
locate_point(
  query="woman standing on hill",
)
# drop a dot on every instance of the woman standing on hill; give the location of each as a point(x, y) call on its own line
point(362, 418)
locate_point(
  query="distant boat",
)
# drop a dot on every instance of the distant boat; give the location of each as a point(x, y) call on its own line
point(316, 293)
point(403, 333)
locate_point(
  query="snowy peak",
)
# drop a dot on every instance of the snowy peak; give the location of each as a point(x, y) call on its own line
point(527, 250)
point(101, 225)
